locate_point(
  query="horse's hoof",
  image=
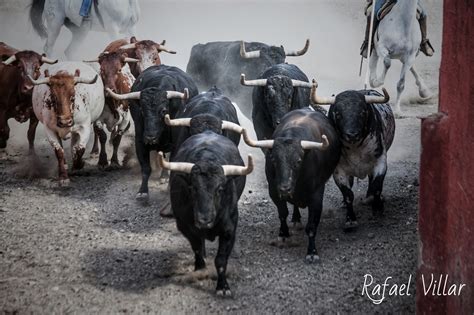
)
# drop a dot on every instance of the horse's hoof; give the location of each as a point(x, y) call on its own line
point(425, 94)
point(142, 197)
point(312, 259)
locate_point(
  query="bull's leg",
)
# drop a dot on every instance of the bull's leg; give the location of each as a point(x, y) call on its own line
point(226, 243)
point(296, 218)
point(55, 142)
point(103, 161)
point(197, 244)
point(314, 216)
point(31, 134)
point(143, 155)
point(4, 129)
point(376, 185)
point(79, 139)
point(95, 146)
point(282, 207)
point(114, 162)
point(344, 183)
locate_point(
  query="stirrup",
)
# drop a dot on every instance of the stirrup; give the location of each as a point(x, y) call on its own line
point(364, 48)
point(426, 48)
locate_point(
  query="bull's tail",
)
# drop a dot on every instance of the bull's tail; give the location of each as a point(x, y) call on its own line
point(36, 17)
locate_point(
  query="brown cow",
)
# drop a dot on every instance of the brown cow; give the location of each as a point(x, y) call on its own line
point(147, 51)
point(116, 117)
point(16, 89)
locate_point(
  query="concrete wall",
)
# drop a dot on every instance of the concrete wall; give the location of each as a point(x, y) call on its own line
point(446, 221)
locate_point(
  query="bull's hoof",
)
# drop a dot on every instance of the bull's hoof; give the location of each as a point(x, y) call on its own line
point(114, 165)
point(94, 154)
point(226, 292)
point(350, 226)
point(64, 182)
point(312, 259)
point(142, 197)
point(298, 226)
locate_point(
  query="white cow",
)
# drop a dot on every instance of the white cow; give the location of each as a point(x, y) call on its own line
point(67, 99)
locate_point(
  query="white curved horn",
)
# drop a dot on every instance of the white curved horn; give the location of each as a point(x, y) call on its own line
point(128, 46)
point(237, 170)
point(309, 145)
point(175, 94)
point(85, 81)
point(39, 81)
point(258, 82)
point(49, 61)
point(127, 96)
point(92, 60)
point(248, 55)
point(318, 99)
point(10, 60)
point(228, 125)
point(184, 122)
point(128, 59)
point(299, 83)
point(295, 53)
point(182, 167)
point(265, 144)
point(169, 51)
point(370, 99)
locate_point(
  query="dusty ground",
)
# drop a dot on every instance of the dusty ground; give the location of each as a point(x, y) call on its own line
point(91, 248)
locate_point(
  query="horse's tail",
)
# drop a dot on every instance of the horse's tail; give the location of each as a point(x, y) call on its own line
point(36, 16)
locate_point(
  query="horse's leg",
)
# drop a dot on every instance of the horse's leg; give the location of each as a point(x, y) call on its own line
point(376, 81)
point(401, 85)
point(78, 36)
point(373, 62)
point(54, 27)
point(422, 88)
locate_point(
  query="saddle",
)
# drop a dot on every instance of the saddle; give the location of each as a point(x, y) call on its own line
point(387, 7)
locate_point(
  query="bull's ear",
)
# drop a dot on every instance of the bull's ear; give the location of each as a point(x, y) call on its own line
point(133, 39)
point(77, 73)
point(123, 56)
point(46, 73)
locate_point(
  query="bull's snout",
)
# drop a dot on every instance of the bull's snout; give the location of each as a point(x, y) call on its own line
point(204, 220)
point(285, 191)
point(151, 140)
point(352, 136)
point(65, 122)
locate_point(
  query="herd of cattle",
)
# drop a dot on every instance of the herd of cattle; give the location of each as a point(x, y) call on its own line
point(303, 143)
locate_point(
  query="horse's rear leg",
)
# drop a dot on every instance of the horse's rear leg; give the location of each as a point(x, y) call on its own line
point(422, 88)
point(78, 36)
point(54, 27)
point(401, 87)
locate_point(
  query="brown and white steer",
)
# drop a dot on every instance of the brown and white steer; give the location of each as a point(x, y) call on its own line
point(16, 89)
point(146, 51)
point(67, 101)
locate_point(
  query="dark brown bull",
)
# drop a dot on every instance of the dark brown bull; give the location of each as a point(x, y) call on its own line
point(16, 89)
point(146, 51)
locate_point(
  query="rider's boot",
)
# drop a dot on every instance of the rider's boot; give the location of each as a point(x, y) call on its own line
point(425, 45)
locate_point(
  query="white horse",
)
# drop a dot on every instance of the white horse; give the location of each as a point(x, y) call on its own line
point(398, 37)
point(112, 16)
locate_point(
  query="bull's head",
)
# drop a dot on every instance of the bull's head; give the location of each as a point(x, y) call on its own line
point(274, 54)
point(154, 105)
point(278, 94)
point(146, 51)
point(287, 156)
point(63, 94)
point(29, 63)
point(208, 186)
point(203, 122)
point(350, 112)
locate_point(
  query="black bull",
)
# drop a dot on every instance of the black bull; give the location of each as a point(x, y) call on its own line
point(220, 64)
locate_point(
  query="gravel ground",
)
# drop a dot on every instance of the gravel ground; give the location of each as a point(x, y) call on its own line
point(91, 248)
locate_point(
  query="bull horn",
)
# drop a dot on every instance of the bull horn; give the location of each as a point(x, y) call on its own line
point(127, 96)
point(318, 100)
point(298, 83)
point(265, 144)
point(128, 59)
point(248, 55)
point(39, 81)
point(237, 170)
point(175, 94)
point(228, 125)
point(92, 60)
point(10, 60)
point(308, 145)
point(182, 167)
point(85, 81)
point(259, 82)
point(184, 122)
point(129, 46)
point(295, 53)
point(45, 59)
point(370, 99)
point(169, 51)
